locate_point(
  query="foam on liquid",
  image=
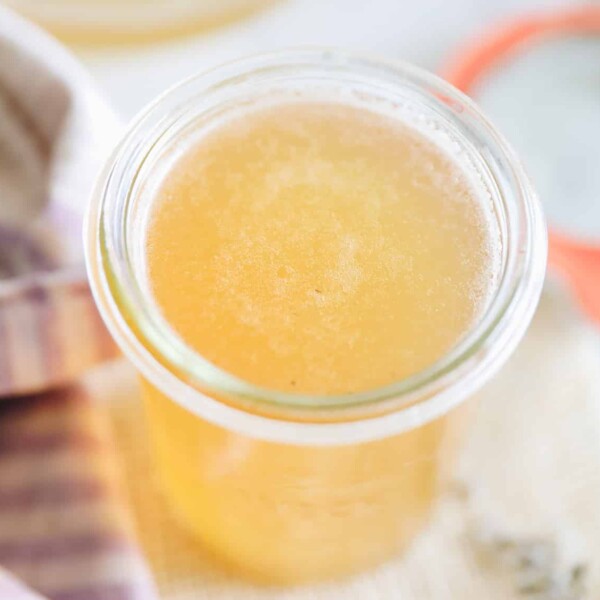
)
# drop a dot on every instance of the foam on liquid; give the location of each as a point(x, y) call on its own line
point(320, 248)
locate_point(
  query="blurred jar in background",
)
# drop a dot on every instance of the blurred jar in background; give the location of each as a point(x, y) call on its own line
point(123, 21)
point(529, 75)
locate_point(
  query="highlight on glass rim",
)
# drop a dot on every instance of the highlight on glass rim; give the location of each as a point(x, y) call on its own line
point(299, 300)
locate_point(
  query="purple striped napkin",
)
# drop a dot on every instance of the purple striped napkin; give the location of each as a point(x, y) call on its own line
point(64, 524)
point(65, 529)
point(50, 331)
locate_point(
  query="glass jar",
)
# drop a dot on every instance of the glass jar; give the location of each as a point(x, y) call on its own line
point(288, 487)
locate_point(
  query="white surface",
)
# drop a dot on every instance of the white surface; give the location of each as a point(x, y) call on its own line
point(421, 31)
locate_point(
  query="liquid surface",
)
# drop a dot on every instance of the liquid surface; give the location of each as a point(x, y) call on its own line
point(319, 248)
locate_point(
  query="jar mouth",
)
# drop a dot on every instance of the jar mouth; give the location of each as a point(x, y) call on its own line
point(180, 372)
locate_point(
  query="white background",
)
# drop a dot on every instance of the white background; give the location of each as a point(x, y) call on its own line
point(425, 32)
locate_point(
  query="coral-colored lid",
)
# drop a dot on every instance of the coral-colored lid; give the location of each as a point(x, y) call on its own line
point(576, 258)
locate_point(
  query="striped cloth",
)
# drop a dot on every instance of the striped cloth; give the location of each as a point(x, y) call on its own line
point(65, 527)
point(9, 588)
point(64, 523)
point(50, 332)
point(526, 517)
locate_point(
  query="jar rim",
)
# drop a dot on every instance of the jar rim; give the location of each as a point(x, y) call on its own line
point(190, 380)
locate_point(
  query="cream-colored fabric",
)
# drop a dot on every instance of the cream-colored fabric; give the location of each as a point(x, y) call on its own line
point(55, 133)
point(28, 135)
point(532, 465)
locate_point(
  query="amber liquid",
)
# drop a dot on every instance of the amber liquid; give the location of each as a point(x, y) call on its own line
point(325, 249)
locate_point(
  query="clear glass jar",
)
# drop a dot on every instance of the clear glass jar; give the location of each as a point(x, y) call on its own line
point(288, 487)
point(122, 21)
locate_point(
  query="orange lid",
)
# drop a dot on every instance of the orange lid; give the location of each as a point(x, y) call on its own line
point(577, 260)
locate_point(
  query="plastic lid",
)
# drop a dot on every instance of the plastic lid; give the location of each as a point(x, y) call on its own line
point(538, 79)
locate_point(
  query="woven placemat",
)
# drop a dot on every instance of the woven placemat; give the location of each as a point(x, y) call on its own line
point(521, 522)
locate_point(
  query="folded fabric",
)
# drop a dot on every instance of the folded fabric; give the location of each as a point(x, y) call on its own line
point(27, 133)
point(65, 529)
point(64, 524)
point(54, 133)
